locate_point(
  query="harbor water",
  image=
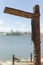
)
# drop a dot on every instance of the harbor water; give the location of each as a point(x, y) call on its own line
point(21, 46)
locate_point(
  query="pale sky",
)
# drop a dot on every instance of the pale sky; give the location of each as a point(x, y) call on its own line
point(10, 22)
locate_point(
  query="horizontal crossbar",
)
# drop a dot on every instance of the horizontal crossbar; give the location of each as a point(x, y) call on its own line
point(19, 12)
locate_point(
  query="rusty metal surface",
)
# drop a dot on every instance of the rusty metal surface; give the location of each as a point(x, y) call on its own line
point(19, 12)
point(36, 36)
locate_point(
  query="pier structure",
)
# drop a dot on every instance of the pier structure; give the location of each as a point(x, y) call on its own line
point(35, 26)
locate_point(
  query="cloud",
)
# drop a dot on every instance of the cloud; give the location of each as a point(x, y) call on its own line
point(3, 27)
point(18, 22)
point(18, 26)
point(23, 25)
point(1, 22)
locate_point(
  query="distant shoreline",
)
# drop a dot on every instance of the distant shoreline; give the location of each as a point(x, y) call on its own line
point(15, 33)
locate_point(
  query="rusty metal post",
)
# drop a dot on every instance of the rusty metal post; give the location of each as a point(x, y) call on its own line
point(36, 35)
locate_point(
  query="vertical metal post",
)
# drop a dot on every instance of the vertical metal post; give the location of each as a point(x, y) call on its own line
point(31, 57)
point(36, 35)
point(13, 59)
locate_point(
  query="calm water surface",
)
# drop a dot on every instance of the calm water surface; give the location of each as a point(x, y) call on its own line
point(21, 46)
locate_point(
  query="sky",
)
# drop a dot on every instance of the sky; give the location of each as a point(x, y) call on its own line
point(11, 22)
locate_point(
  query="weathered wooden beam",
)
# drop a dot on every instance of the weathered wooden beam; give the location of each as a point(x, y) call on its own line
point(19, 12)
point(36, 36)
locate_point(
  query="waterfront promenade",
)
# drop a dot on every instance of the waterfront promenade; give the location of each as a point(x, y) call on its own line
point(21, 62)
